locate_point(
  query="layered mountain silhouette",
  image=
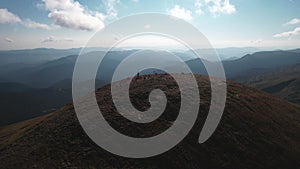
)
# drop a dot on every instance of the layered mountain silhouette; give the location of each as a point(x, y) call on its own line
point(275, 72)
point(260, 62)
point(250, 64)
point(45, 78)
point(257, 130)
point(18, 59)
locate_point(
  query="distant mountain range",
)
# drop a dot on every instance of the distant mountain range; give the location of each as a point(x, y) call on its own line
point(275, 72)
point(45, 77)
point(18, 59)
point(260, 62)
point(230, 53)
point(250, 64)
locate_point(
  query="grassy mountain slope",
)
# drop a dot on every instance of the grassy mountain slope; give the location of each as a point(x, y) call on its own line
point(257, 131)
point(284, 82)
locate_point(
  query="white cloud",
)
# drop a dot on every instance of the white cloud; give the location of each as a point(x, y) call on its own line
point(135, 0)
point(199, 11)
point(40, 5)
point(217, 7)
point(293, 22)
point(8, 40)
point(289, 34)
point(71, 14)
point(49, 39)
point(31, 24)
point(111, 11)
point(8, 17)
point(257, 41)
point(198, 5)
point(55, 39)
point(181, 13)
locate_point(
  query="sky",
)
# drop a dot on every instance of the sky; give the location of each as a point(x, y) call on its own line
point(226, 23)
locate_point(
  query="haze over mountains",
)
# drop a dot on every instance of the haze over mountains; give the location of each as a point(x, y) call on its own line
point(44, 79)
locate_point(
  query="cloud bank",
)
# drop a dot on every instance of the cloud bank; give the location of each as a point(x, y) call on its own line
point(35, 25)
point(217, 7)
point(289, 34)
point(293, 22)
point(56, 39)
point(71, 14)
point(181, 13)
point(8, 17)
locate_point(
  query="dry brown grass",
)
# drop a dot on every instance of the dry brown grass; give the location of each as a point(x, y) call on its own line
point(257, 131)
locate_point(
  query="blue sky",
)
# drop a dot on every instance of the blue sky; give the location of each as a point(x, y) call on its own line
point(226, 23)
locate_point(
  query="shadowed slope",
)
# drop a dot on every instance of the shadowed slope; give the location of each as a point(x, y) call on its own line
point(284, 82)
point(257, 131)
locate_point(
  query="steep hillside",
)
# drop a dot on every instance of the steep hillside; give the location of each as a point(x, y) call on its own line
point(257, 131)
point(23, 105)
point(284, 82)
